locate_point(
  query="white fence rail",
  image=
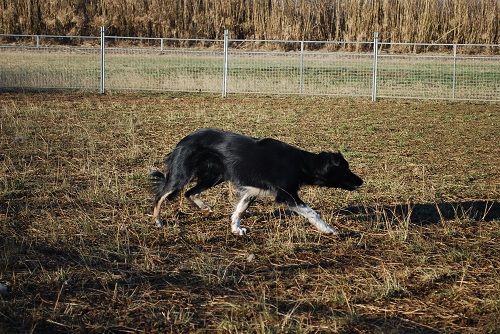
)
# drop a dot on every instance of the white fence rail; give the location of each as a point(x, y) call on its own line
point(369, 69)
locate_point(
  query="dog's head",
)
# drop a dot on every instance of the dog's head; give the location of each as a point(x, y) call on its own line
point(334, 172)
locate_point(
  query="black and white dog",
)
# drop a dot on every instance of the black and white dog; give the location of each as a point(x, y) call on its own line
point(257, 167)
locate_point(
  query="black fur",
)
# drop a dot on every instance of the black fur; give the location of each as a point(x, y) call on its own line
point(158, 181)
point(210, 156)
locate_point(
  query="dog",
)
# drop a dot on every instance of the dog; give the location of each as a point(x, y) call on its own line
point(257, 167)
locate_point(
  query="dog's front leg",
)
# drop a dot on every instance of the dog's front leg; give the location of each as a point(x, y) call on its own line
point(314, 218)
point(242, 205)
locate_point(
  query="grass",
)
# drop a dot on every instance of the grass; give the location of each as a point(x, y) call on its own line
point(419, 245)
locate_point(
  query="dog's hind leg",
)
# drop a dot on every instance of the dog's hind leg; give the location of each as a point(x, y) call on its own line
point(165, 188)
point(196, 200)
point(242, 205)
point(193, 194)
point(156, 211)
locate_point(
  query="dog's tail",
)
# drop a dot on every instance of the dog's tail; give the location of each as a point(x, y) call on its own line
point(158, 183)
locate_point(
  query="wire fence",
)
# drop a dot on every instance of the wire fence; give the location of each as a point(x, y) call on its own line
point(371, 69)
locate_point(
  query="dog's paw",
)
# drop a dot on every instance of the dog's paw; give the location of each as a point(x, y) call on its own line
point(159, 223)
point(330, 230)
point(206, 212)
point(239, 231)
point(326, 228)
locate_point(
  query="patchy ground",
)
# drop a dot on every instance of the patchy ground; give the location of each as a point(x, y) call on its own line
point(419, 250)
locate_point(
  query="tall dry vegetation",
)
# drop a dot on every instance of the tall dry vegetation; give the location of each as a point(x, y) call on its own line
point(472, 21)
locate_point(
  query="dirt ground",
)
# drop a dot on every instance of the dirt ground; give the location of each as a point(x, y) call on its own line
point(419, 248)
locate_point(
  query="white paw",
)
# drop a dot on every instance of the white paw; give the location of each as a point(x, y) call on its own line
point(206, 212)
point(239, 231)
point(330, 230)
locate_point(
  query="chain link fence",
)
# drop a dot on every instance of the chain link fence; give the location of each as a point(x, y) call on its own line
point(113, 63)
point(439, 71)
point(49, 62)
point(298, 68)
point(164, 64)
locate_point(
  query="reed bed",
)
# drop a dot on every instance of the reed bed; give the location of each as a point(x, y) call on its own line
point(440, 21)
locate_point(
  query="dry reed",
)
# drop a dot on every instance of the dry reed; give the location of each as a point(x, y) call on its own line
point(451, 21)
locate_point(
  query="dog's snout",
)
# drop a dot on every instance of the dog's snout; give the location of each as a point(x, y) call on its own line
point(358, 182)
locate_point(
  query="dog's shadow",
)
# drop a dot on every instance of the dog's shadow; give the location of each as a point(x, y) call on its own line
point(426, 213)
point(421, 214)
point(412, 213)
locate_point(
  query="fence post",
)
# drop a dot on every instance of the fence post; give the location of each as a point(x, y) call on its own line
point(375, 66)
point(454, 83)
point(161, 45)
point(224, 74)
point(301, 83)
point(103, 74)
point(37, 41)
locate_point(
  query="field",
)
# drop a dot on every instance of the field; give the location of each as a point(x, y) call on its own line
point(419, 249)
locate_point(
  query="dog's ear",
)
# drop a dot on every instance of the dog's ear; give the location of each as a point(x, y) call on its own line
point(337, 158)
point(331, 159)
point(327, 162)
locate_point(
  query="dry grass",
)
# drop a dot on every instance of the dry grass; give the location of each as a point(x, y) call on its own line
point(419, 252)
point(439, 21)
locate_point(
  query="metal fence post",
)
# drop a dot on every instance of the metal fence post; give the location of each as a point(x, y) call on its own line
point(161, 45)
point(103, 74)
point(301, 82)
point(454, 83)
point(224, 74)
point(375, 66)
point(37, 41)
